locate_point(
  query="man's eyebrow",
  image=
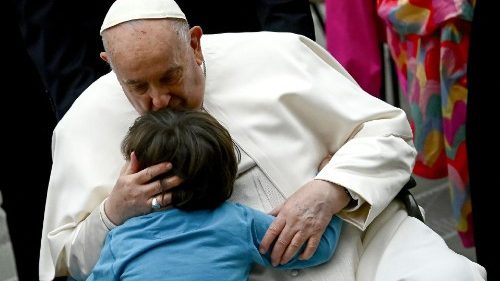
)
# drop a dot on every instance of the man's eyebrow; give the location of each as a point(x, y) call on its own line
point(169, 72)
point(173, 71)
point(131, 81)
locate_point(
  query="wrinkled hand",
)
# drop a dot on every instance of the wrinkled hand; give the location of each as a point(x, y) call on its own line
point(303, 218)
point(134, 191)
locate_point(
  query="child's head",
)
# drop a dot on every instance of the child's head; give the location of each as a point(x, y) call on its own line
point(198, 146)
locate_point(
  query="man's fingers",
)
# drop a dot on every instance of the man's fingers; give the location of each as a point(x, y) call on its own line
point(166, 184)
point(159, 190)
point(131, 166)
point(134, 163)
point(312, 245)
point(163, 185)
point(294, 246)
point(280, 246)
point(151, 172)
point(272, 233)
point(164, 199)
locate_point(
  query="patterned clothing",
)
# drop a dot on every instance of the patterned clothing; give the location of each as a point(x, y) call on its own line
point(429, 42)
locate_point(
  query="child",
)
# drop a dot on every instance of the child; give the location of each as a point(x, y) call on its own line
point(202, 237)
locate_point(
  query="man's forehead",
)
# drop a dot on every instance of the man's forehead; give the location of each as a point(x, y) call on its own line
point(127, 10)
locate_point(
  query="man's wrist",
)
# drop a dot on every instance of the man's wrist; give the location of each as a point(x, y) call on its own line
point(104, 217)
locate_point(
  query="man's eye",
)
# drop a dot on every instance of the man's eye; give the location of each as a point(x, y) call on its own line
point(138, 88)
point(173, 78)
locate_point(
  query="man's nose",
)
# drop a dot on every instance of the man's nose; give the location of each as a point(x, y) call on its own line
point(160, 99)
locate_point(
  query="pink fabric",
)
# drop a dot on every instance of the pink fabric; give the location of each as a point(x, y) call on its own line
point(351, 37)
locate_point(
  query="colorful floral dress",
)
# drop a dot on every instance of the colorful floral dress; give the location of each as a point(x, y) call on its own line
point(429, 41)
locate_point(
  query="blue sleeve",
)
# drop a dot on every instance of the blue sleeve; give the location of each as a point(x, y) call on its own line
point(260, 222)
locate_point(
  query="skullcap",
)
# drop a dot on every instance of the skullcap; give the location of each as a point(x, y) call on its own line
point(127, 10)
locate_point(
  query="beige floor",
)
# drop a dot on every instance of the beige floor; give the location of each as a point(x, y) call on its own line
point(434, 197)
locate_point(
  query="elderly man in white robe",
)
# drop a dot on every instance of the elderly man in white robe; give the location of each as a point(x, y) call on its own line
point(287, 104)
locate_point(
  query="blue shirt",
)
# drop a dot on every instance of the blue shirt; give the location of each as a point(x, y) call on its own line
point(220, 244)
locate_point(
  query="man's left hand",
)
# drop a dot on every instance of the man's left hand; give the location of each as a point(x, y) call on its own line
point(303, 218)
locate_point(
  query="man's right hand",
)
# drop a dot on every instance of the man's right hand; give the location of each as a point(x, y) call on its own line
point(134, 191)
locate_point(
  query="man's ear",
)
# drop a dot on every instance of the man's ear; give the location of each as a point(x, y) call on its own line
point(196, 32)
point(104, 56)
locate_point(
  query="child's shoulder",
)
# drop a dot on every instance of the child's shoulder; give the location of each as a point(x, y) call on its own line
point(236, 206)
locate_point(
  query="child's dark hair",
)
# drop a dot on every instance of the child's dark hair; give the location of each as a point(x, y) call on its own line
point(198, 146)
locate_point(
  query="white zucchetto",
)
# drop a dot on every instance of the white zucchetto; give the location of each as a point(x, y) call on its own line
point(127, 10)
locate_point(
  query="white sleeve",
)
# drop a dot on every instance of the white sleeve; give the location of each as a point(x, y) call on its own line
point(378, 159)
point(86, 162)
point(82, 252)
